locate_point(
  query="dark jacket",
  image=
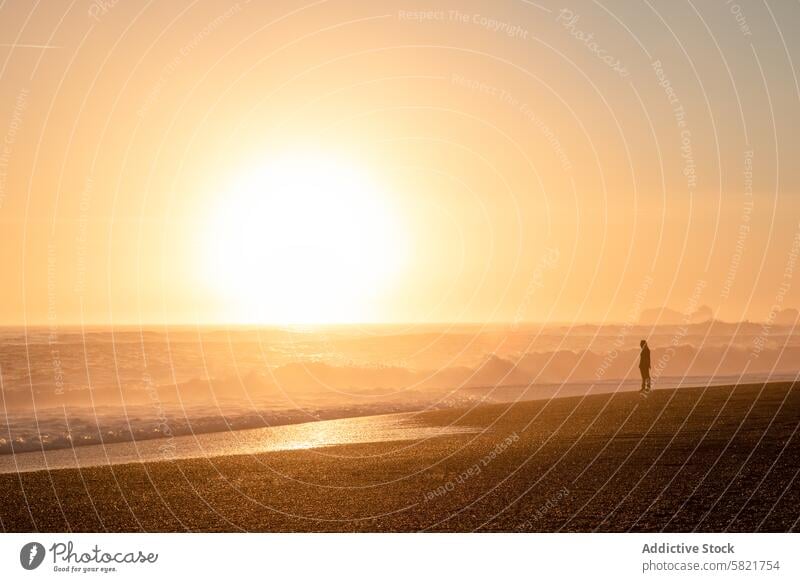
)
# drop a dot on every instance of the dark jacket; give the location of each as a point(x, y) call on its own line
point(644, 359)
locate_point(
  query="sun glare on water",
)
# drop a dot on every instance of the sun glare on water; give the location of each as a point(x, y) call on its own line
point(303, 239)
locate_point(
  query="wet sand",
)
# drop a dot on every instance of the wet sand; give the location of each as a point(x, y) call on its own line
point(704, 459)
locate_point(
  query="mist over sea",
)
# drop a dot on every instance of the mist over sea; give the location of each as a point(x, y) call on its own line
point(66, 388)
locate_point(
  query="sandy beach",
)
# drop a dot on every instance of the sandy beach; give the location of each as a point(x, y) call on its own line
point(690, 459)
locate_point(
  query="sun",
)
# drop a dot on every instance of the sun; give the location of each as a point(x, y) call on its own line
point(303, 238)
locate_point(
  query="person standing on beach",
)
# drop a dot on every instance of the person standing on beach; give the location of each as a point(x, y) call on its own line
point(644, 365)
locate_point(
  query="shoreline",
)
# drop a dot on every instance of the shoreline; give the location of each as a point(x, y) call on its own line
point(704, 458)
point(207, 425)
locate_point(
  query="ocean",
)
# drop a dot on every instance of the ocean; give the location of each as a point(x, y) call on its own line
point(78, 394)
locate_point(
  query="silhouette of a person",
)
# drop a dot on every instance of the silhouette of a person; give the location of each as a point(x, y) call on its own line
point(644, 365)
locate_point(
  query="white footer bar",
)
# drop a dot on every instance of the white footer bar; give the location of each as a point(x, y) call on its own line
point(400, 557)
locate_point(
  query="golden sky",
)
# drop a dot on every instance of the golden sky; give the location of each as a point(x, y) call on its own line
point(281, 162)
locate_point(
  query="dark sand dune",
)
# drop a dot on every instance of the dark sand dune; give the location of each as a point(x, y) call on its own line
point(706, 459)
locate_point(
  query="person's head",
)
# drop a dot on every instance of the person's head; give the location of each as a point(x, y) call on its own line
point(642, 343)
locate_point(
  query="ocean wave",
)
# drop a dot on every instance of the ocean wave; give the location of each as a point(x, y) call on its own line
point(88, 389)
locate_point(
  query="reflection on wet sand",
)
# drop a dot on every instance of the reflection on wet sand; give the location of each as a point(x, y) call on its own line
point(326, 433)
